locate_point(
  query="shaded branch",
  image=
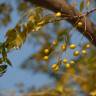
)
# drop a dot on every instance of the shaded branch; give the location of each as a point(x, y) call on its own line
point(63, 7)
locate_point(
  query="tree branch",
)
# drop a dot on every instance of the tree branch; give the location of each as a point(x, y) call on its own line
point(63, 7)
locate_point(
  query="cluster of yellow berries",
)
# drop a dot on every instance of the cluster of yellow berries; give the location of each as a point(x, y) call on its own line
point(65, 61)
point(83, 51)
point(55, 67)
point(67, 65)
point(46, 51)
point(46, 57)
point(64, 47)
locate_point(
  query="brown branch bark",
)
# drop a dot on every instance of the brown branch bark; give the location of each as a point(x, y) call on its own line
point(63, 7)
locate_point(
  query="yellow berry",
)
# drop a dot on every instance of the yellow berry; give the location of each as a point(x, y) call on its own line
point(65, 60)
point(80, 24)
point(46, 51)
point(67, 65)
point(54, 42)
point(87, 45)
point(84, 52)
point(72, 46)
point(76, 53)
point(45, 57)
point(72, 62)
point(63, 47)
point(58, 14)
point(55, 67)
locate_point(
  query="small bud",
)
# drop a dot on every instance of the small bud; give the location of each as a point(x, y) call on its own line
point(80, 24)
point(72, 46)
point(76, 53)
point(58, 14)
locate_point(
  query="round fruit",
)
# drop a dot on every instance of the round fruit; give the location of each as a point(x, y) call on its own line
point(67, 65)
point(46, 51)
point(45, 57)
point(58, 14)
point(55, 67)
point(84, 52)
point(76, 53)
point(87, 45)
point(80, 24)
point(63, 47)
point(65, 60)
point(72, 46)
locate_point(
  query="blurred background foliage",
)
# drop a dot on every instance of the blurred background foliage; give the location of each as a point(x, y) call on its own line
point(51, 40)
